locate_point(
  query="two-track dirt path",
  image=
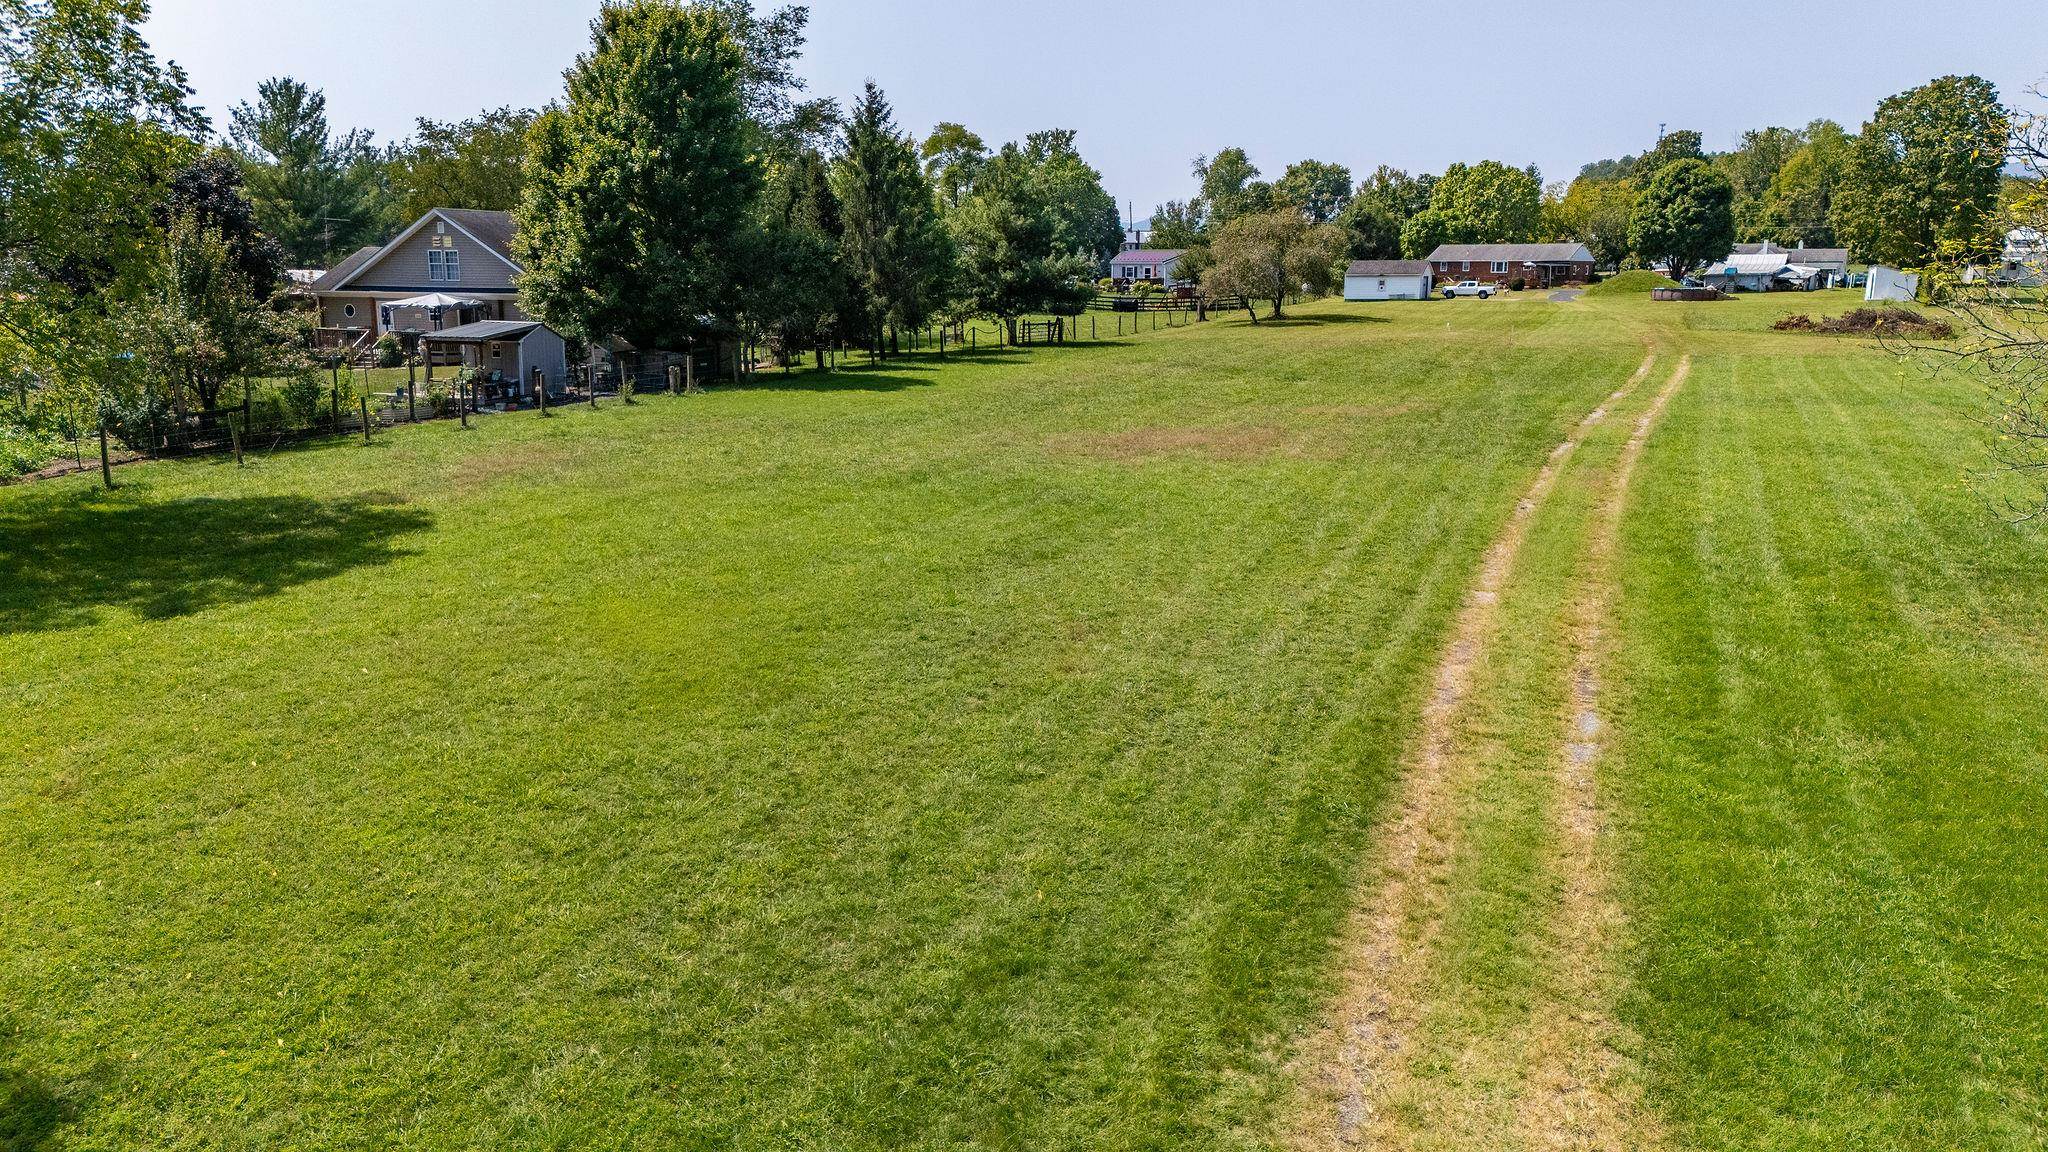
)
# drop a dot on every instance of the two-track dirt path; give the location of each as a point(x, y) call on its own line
point(1570, 1092)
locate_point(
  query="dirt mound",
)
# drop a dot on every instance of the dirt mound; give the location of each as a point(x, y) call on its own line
point(1871, 322)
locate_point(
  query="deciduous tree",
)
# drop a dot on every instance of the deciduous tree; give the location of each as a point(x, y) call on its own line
point(474, 163)
point(1013, 259)
point(641, 186)
point(1319, 191)
point(952, 157)
point(1269, 255)
point(1923, 174)
point(1685, 215)
point(1484, 203)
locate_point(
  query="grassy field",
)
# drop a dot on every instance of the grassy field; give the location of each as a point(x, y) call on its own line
point(988, 753)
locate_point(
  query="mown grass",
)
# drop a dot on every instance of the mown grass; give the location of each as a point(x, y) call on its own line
point(1834, 658)
point(983, 753)
point(974, 753)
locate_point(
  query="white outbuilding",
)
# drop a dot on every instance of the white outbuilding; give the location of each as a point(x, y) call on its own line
point(1891, 284)
point(1387, 280)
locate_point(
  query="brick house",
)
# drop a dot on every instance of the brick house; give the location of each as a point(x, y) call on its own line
point(1537, 265)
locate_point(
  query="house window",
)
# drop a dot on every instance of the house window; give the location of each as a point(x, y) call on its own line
point(349, 311)
point(444, 264)
point(1464, 265)
point(497, 352)
point(1500, 266)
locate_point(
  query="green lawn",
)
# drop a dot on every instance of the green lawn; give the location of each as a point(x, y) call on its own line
point(983, 752)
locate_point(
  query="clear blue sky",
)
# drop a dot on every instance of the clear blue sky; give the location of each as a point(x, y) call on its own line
point(1360, 83)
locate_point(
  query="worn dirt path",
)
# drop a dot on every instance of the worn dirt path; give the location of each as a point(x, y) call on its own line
point(1356, 1060)
point(1580, 1095)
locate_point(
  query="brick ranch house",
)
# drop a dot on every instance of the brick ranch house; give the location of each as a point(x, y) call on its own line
point(463, 253)
point(1537, 265)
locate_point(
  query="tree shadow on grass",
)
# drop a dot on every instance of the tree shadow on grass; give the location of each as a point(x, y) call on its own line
point(1318, 321)
point(31, 1111)
point(64, 559)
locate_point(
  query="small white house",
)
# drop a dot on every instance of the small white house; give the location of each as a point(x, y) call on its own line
point(1387, 280)
point(1154, 264)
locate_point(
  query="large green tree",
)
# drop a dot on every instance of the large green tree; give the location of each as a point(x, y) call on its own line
point(893, 243)
point(1924, 174)
point(1597, 213)
point(1685, 215)
point(474, 163)
point(1484, 203)
point(1230, 187)
point(1084, 214)
point(640, 188)
point(321, 195)
point(199, 322)
point(1318, 190)
point(92, 131)
point(797, 290)
point(1013, 256)
point(1383, 203)
point(953, 157)
point(1751, 170)
point(1800, 205)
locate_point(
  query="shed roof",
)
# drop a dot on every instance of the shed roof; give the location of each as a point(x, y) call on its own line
point(1388, 268)
point(347, 268)
point(484, 330)
point(1750, 264)
point(1565, 253)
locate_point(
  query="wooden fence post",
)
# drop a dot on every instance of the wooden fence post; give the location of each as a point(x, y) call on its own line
point(364, 403)
point(462, 400)
point(235, 438)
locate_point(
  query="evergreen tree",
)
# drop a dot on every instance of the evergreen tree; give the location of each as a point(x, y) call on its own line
point(893, 245)
point(318, 195)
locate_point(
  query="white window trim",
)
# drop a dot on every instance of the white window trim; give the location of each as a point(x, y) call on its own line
point(348, 311)
point(1500, 267)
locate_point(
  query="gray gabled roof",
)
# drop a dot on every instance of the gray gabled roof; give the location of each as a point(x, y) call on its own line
point(345, 269)
point(1148, 256)
point(1388, 268)
point(494, 230)
point(1528, 253)
point(484, 330)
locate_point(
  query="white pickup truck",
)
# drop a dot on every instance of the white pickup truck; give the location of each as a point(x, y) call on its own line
point(1467, 288)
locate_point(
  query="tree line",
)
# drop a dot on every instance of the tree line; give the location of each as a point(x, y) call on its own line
point(684, 187)
point(1923, 182)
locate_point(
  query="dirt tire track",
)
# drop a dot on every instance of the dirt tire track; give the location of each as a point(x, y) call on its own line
point(1581, 1095)
point(1355, 1057)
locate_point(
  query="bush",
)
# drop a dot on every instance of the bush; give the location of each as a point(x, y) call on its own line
point(1517, 284)
point(390, 354)
point(24, 449)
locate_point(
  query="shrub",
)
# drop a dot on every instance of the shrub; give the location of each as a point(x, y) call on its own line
point(1517, 284)
point(390, 354)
